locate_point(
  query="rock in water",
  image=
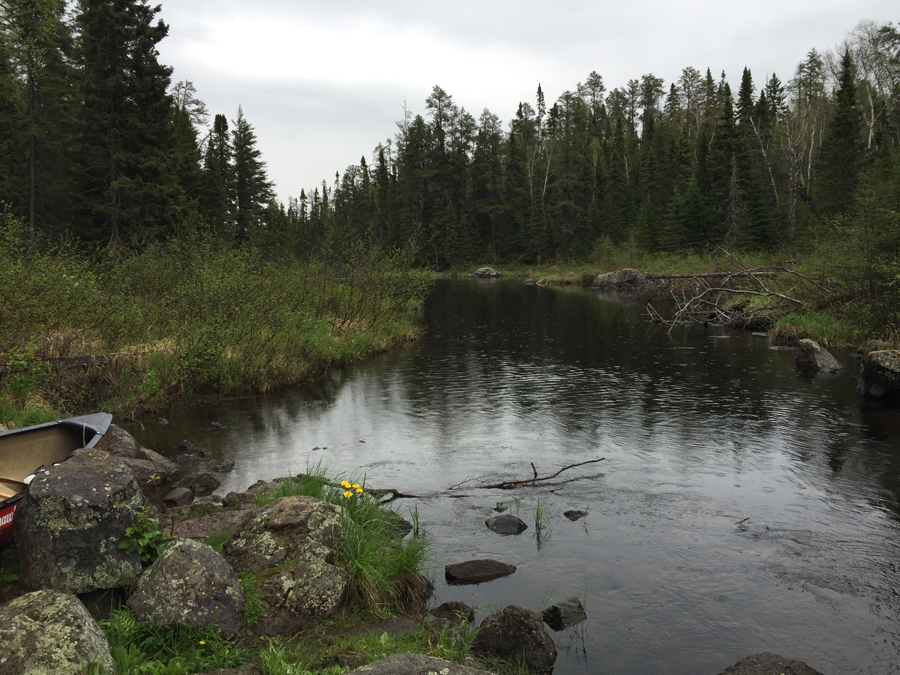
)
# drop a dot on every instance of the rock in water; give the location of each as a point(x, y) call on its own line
point(69, 525)
point(564, 614)
point(506, 524)
point(574, 515)
point(476, 571)
point(767, 663)
point(485, 273)
point(292, 540)
point(50, 632)
point(880, 373)
point(516, 631)
point(454, 610)
point(189, 585)
point(814, 357)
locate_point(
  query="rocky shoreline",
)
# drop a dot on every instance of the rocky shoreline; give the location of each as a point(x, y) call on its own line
point(71, 525)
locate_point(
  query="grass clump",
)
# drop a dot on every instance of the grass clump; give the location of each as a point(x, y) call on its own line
point(826, 329)
point(139, 649)
point(386, 573)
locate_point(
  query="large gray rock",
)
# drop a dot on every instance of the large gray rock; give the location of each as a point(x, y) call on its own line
point(624, 277)
point(69, 525)
point(189, 585)
point(767, 663)
point(416, 664)
point(879, 374)
point(119, 443)
point(485, 273)
point(516, 631)
point(814, 357)
point(291, 541)
point(50, 632)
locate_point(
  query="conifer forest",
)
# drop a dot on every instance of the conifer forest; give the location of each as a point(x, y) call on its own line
point(103, 150)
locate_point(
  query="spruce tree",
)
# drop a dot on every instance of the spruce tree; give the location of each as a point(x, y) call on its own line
point(252, 189)
point(216, 195)
point(131, 189)
point(840, 157)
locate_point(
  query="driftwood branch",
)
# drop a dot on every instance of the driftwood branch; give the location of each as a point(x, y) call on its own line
point(513, 484)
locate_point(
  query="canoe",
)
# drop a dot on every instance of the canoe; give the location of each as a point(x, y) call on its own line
point(24, 451)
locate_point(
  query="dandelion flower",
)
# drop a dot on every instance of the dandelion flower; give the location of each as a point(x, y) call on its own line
point(359, 489)
point(356, 485)
point(348, 493)
point(202, 642)
point(345, 484)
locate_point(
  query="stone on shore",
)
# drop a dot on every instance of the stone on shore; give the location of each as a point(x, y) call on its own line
point(51, 632)
point(291, 540)
point(416, 664)
point(879, 374)
point(485, 273)
point(767, 663)
point(624, 277)
point(69, 525)
point(813, 357)
point(199, 483)
point(514, 632)
point(506, 524)
point(477, 571)
point(189, 585)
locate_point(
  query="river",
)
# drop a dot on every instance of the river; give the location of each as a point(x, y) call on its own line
point(741, 506)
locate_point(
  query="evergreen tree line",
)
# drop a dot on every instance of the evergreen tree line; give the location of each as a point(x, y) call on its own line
point(97, 143)
point(688, 167)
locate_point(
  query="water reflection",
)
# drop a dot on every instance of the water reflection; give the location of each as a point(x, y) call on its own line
point(740, 508)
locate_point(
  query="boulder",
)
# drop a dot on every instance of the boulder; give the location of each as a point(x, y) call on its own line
point(529, 282)
point(879, 373)
point(217, 520)
point(564, 614)
point(69, 525)
point(485, 273)
point(574, 515)
point(118, 442)
point(290, 542)
point(813, 357)
point(189, 585)
point(199, 483)
point(767, 663)
point(624, 277)
point(514, 632)
point(51, 632)
point(180, 496)
point(416, 664)
point(506, 524)
point(224, 467)
point(476, 571)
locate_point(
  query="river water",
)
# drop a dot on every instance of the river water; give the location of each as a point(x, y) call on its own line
point(741, 507)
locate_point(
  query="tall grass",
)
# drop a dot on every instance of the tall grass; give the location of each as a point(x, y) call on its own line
point(386, 573)
point(188, 319)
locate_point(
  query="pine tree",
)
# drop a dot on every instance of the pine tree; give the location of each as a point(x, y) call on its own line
point(252, 189)
point(132, 191)
point(840, 158)
point(216, 195)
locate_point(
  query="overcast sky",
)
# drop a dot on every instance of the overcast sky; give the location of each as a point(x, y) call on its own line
point(324, 82)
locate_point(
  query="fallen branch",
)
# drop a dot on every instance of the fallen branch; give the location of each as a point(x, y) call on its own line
point(513, 484)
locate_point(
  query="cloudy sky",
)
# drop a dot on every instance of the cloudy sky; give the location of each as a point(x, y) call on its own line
point(323, 82)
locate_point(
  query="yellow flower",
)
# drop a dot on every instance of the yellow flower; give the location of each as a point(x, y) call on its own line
point(348, 493)
point(202, 642)
point(356, 485)
point(359, 489)
point(345, 484)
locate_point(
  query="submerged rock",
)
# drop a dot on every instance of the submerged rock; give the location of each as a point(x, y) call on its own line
point(814, 357)
point(69, 525)
point(767, 663)
point(214, 427)
point(514, 632)
point(506, 524)
point(564, 614)
point(574, 515)
point(189, 585)
point(879, 374)
point(477, 571)
point(51, 632)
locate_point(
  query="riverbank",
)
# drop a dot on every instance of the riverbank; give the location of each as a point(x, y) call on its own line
point(803, 298)
point(184, 322)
